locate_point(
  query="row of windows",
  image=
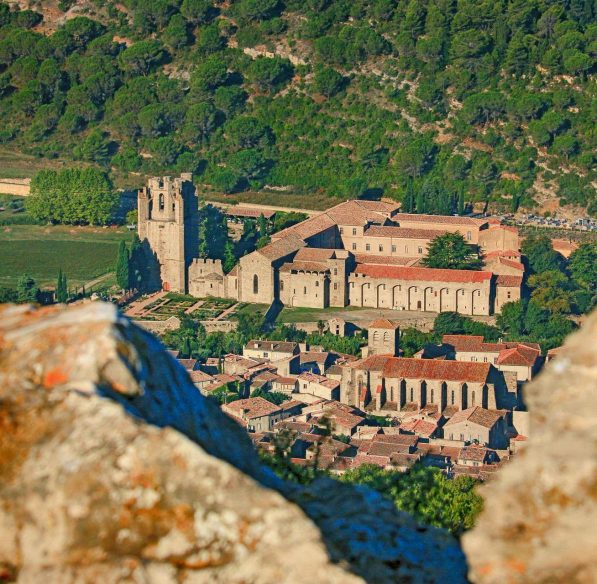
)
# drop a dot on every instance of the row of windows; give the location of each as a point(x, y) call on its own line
point(305, 288)
point(432, 396)
point(381, 248)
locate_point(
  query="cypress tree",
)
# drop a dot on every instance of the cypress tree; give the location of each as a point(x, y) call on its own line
point(122, 266)
point(61, 288)
point(461, 202)
point(186, 348)
point(421, 206)
point(229, 257)
point(203, 248)
point(262, 226)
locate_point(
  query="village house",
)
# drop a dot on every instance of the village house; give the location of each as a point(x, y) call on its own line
point(319, 386)
point(259, 415)
point(359, 253)
point(271, 350)
point(479, 426)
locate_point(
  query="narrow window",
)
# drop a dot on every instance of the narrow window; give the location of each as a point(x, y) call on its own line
point(305, 290)
point(317, 283)
point(341, 230)
point(354, 231)
point(381, 248)
point(453, 397)
point(281, 285)
point(469, 235)
point(473, 399)
point(393, 249)
point(255, 284)
point(335, 271)
point(432, 395)
point(412, 394)
point(368, 247)
point(335, 285)
point(420, 250)
point(354, 247)
point(161, 202)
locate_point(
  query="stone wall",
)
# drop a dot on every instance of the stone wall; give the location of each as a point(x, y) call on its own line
point(114, 468)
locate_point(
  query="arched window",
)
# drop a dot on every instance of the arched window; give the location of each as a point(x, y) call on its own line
point(161, 202)
point(255, 284)
point(386, 337)
point(375, 337)
point(473, 399)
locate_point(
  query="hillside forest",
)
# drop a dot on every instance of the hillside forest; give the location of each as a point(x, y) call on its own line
point(436, 103)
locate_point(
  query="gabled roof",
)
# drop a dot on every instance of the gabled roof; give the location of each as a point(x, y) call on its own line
point(391, 231)
point(409, 368)
point(440, 219)
point(384, 323)
point(252, 407)
point(277, 346)
point(476, 415)
point(281, 247)
point(423, 274)
point(508, 281)
point(304, 266)
point(520, 355)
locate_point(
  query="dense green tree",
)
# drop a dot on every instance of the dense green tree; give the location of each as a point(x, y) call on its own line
point(27, 289)
point(551, 290)
point(75, 196)
point(424, 492)
point(328, 81)
point(269, 74)
point(450, 251)
point(583, 266)
point(540, 255)
point(141, 57)
point(229, 260)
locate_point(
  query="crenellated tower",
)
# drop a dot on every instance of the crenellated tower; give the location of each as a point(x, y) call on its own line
point(168, 223)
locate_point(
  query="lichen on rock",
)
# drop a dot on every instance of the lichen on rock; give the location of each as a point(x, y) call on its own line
point(114, 468)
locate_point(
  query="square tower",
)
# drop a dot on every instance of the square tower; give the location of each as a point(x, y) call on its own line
point(384, 338)
point(168, 224)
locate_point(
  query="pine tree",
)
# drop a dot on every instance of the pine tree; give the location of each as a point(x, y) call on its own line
point(229, 257)
point(137, 264)
point(122, 266)
point(420, 204)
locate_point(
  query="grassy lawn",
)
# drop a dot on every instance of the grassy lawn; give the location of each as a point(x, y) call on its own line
point(83, 253)
point(299, 314)
point(251, 309)
point(13, 164)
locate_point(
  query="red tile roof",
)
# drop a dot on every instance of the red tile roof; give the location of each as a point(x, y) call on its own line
point(511, 264)
point(252, 407)
point(384, 323)
point(439, 219)
point(409, 368)
point(508, 281)
point(476, 415)
point(423, 274)
point(369, 258)
point(313, 254)
point(520, 355)
point(301, 266)
point(403, 232)
point(503, 253)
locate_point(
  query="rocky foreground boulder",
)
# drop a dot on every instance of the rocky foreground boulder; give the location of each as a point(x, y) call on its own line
point(539, 525)
point(113, 468)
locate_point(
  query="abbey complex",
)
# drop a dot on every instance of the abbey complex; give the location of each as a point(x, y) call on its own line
point(358, 253)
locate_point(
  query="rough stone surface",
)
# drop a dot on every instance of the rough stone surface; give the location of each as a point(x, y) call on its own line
point(114, 468)
point(540, 519)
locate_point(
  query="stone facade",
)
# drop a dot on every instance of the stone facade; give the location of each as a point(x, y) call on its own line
point(168, 223)
point(358, 253)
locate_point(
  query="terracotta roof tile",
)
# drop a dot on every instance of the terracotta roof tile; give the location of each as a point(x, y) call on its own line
point(476, 415)
point(508, 281)
point(438, 219)
point(403, 232)
point(410, 368)
point(384, 323)
point(252, 407)
point(303, 266)
point(423, 274)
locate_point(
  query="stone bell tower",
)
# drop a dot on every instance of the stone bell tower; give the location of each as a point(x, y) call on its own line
point(168, 224)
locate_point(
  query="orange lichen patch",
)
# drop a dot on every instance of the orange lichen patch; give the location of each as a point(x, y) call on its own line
point(517, 566)
point(485, 569)
point(54, 377)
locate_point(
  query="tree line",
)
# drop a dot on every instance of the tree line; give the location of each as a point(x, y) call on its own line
point(499, 70)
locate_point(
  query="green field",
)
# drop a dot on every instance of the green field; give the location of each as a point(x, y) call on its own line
point(300, 314)
point(83, 253)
